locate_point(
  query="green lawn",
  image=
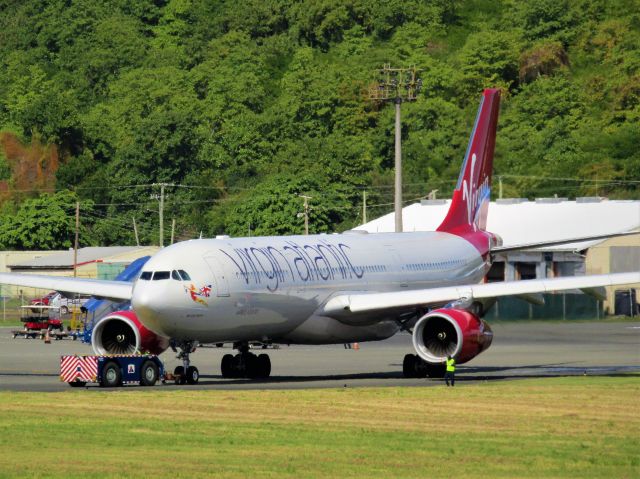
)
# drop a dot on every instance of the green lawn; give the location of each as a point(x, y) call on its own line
point(573, 427)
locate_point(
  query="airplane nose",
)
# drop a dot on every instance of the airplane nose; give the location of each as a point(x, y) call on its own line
point(147, 307)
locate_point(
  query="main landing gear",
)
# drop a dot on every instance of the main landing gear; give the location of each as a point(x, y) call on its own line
point(414, 366)
point(245, 364)
point(185, 374)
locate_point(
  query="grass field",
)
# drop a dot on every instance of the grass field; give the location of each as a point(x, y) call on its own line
point(559, 427)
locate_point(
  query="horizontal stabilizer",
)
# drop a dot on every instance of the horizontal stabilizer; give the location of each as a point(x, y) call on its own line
point(507, 249)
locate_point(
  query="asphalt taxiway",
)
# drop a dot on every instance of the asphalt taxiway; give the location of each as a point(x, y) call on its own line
point(519, 350)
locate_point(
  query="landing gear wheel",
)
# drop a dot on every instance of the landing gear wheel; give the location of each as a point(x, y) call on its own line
point(149, 374)
point(226, 366)
point(414, 367)
point(409, 366)
point(436, 370)
point(264, 366)
point(193, 375)
point(245, 364)
point(252, 369)
point(178, 373)
point(111, 375)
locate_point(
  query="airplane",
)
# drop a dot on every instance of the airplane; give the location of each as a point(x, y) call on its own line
point(327, 288)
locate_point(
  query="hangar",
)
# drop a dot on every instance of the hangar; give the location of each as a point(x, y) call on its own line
point(103, 262)
point(520, 221)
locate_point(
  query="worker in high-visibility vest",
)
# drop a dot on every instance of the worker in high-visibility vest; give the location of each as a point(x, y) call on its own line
point(451, 371)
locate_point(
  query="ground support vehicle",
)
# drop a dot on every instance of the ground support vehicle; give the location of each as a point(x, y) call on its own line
point(42, 333)
point(26, 333)
point(40, 320)
point(111, 371)
point(44, 301)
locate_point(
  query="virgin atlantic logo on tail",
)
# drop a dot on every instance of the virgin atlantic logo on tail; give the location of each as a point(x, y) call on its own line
point(474, 195)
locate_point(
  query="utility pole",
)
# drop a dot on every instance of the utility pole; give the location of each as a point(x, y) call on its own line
point(161, 209)
point(500, 187)
point(161, 215)
point(75, 244)
point(364, 206)
point(173, 229)
point(135, 231)
point(306, 213)
point(397, 85)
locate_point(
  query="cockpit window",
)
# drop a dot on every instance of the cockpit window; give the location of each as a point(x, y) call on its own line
point(158, 275)
point(175, 275)
point(184, 275)
point(146, 275)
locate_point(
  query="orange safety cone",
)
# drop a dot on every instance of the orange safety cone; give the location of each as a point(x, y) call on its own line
point(47, 338)
point(356, 346)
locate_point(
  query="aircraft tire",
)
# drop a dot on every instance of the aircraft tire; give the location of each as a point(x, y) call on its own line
point(252, 366)
point(264, 363)
point(409, 366)
point(436, 370)
point(227, 366)
point(193, 375)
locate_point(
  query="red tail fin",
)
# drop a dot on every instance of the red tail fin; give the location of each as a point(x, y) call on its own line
point(468, 210)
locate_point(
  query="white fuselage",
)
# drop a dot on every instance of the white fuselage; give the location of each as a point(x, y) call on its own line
point(273, 288)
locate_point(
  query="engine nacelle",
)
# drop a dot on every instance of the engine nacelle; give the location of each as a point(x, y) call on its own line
point(450, 332)
point(122, 333)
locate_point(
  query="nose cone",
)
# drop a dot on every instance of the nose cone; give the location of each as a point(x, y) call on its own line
point(149, 305)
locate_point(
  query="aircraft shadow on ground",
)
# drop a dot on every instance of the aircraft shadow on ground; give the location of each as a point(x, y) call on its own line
point(487, 373)
point(27, 374)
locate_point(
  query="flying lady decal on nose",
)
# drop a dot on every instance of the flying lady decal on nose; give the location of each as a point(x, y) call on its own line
point(199, 296)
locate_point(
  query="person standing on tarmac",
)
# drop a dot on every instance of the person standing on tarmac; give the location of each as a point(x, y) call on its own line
point(451, 371)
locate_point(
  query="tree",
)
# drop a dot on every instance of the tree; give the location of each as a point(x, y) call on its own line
point(46, 222)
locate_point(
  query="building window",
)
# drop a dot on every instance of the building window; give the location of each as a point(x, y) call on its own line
point(496, 273)
point(525, 270)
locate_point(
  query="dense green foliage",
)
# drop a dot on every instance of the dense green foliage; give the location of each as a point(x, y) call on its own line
point(243, 106)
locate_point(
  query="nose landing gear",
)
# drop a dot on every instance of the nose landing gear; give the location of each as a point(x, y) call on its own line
point(185, 374)
point(245, 364)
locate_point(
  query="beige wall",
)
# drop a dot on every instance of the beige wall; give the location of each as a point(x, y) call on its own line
point(598, 261)
point(13, 257)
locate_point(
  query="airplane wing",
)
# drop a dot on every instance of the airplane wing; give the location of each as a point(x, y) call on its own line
point(506, 249)
point(112, 290)
point(346, 305)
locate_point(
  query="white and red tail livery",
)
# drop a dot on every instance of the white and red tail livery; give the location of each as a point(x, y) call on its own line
point(467, 215)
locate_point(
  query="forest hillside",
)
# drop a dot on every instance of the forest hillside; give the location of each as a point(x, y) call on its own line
point(239, 107)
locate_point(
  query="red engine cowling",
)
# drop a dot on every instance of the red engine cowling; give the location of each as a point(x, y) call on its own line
point(453, 332)
point(122, 333)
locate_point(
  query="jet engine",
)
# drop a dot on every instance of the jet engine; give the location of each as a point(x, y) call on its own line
point(450, 332)
point(121, 332)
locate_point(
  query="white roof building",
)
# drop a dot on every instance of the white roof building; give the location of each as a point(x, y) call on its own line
point(519, 221)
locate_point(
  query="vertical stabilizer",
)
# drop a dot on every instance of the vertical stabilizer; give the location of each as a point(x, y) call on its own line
point(468, 210)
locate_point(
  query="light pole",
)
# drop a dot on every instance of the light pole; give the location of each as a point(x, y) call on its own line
point(306, 213)
point(397, 85)
point(161, 197)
